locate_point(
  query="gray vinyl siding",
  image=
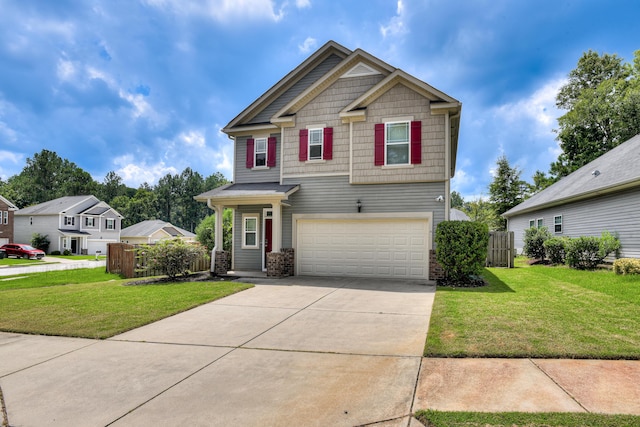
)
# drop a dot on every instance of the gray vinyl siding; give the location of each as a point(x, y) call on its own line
point(243, 175)
point(616, 213)
point(247, 259)
point(43, 224)
point(335, 195)
point(265, 115)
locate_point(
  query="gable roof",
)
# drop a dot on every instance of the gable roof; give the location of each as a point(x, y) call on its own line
point(149, 227)
point(55, 206)
point(11, 206)
point(615, 170)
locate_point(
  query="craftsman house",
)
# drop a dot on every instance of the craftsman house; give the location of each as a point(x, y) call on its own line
point(342, 168)
point(79, 224)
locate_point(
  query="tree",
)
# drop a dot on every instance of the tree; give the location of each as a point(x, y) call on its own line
point(506, 190)
point(480, 210)
point(457, 201)
point(205, 231)
point(540, 181)
point(112, 187)
point(602, 99)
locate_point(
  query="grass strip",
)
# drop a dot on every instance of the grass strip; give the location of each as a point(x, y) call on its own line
point(56, 278)
point(432, 418)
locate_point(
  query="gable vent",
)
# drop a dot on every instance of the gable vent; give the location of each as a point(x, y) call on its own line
point(360, 70)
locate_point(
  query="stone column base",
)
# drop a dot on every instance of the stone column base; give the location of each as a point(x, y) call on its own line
point(435, 270)
point(280, 264)
point(221, 262)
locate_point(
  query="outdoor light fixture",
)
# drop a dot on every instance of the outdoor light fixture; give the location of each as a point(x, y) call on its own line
point(359, 205)
point(440, 198)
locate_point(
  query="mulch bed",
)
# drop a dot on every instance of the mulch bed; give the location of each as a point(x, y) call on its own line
point(193, 277)
point(470, 282)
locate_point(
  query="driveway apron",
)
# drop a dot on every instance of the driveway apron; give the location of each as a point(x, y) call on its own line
point(295, 351)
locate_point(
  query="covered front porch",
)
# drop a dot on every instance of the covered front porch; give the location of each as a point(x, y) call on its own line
point(74, 241)
point(257, 228)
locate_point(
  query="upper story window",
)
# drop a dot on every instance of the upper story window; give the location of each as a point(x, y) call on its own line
point(110, 224)
point(557, 224)
point(398, 143)
point(316, 143)
point(89, 222)
point(5, 217)
point(69, 220)
point(261, 152)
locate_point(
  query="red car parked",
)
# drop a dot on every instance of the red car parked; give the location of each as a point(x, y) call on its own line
point(20, 250)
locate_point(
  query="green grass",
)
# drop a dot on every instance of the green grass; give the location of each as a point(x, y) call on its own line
point(43, 304)
point(539, 311)
point(521, 419)
point(56, 278)
point(79, 257)
point(18, 261)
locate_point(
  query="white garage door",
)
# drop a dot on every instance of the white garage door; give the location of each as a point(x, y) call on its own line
point(363, 248)
point(97, 245)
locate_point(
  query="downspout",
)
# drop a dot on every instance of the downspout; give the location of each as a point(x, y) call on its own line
point(447, 165)
point(212, 267)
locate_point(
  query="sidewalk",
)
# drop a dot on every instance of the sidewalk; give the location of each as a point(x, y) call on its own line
point(54, 264)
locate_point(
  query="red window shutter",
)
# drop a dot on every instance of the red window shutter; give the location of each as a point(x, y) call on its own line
point(327, 144)
point(379, 144)
point(304, 145)
point(416, 143)
point(271, 151)
point(250, 152)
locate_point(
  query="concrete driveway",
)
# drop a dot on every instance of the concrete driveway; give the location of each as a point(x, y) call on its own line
point(296, 351)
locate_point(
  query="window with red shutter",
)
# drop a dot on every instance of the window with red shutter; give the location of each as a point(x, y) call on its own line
point(271, 152)
point(327, 149)
point(303, 145)
point(250, 152)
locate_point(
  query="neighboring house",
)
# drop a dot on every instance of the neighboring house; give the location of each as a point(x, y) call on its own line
point(6, 220)
point(152, 231)
point(458, 215)
point(80, 224)
point(603, 195)
point(341, 168)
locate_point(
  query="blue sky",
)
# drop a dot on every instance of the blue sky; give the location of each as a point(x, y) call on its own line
point(142, 87)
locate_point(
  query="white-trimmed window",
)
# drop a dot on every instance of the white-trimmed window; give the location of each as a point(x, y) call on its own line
point(5, 217)
point(396, 143)
point(532, 223)
point(557, 224)
point(69, 220)
point(89, 222)
point(110, 224)
point(250, 231)
point(315, 144)
point(540, 222)
point(260, 153)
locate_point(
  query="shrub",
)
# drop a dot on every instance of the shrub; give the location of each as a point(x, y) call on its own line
point(608, 244)
point(583, 253)
point(626, 266)
point(66, 252)
point(461, 249)
point(534, 239)
point(40, 241)
point(555, 249)
point(55, 252)
point(171, 257)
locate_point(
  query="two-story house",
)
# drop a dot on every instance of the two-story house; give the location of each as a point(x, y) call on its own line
point(342, 168)
point(79, 224)
point(6, 220)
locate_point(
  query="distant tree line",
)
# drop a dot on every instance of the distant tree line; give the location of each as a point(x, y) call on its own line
point(602, 103)
point(46, 176)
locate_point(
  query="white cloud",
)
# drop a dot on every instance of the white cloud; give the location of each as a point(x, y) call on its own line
point(8, 158)
point(301, 4)
point(224, 10)
point(192, 139)
point(65, 70)
point(396, 25)
point(134, 174)
point(461, 179)
point(309, 44)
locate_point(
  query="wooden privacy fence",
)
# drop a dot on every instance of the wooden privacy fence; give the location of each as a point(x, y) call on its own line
point(501, 252)
point(123, 259)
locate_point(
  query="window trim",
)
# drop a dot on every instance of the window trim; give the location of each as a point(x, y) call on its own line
point(319, 130)
point(69, 220)
point(87, 219)
point(256, 152)
point(540, 222)
point(5, 219)
point(387, 143)
point(245, 217)
point(110, 221)
point(555, 224)
point(532, 223)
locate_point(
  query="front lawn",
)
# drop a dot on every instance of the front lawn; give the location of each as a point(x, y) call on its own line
point(43, 304)
point(521, 419)
point(539, 311)
point(19, 261)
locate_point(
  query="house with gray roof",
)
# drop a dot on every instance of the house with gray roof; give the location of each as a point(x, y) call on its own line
point(152, 231)
point(342, 168)
point(79, 224)
point(603, 195)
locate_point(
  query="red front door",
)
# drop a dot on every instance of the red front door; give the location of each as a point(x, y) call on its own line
point(267, 238)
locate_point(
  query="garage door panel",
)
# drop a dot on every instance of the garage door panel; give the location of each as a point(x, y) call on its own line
point(366, 248)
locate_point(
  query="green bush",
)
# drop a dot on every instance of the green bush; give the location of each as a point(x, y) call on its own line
point(583, 253)
point(40, 241)
point(555, 249)
point(66, 252)
point(461, 248)
point(626, 266)
point(608, 244)
point(534, 239)
point(55, 252)
point(171, 257)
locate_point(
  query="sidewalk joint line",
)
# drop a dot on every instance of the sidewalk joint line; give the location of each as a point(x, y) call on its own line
point(559, 386)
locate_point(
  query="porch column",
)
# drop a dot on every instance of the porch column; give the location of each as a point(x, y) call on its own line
point(219, 233)
point(276, 230)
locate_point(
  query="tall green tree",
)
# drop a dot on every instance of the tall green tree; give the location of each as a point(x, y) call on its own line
point(481, 210)
point(506, 190)
point(112, 186)
point(602, 99)
point(457, 201)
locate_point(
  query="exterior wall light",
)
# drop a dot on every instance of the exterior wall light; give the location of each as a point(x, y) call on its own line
point(359, 205)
